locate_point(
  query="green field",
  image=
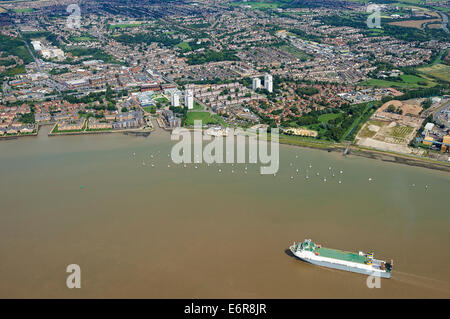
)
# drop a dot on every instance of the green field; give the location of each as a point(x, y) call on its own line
point(197, 106)
point(220, 120)
point(439, 71)
point(408, 81)
point(82, 39)
point(328, 117)
point(295, 52)
point(149, 109)
point(123, 25)
point(161, 99)
point(184, 46)
point(263, 4)
point(18, 69)
point(205, 117)
point(304, 141)
point(24, 10)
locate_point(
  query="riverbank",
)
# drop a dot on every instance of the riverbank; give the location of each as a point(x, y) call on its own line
point(368, 153)
point(86, 131)
point(136, 132)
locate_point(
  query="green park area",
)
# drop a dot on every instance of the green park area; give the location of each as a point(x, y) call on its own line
point(18, 69)
point(184, 46)
point(123, 25)
point(405, 81)
point(150, 109)
point(84, 38)
point(324, 118)
point(205, 117)
point(303, 56)
point(161, 99)
point(263, 4)
point(23, 10)
point(197, 106)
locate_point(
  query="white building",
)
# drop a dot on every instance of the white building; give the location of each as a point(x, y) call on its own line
point(268, 83)
point(53, 54)
point(146, 98)
point(175, 99)
point(429, 127)
point(256, 84)
point(189, 99)
point(37, 45)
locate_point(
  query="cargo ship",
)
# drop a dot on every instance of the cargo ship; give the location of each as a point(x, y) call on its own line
point(343, 260)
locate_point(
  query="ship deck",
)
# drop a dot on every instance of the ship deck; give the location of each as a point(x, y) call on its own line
point(341, 255)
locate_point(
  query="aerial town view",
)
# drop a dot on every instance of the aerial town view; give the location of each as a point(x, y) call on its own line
point(119, 172)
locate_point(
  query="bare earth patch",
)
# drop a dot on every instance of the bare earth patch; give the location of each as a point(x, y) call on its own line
point(392, 131)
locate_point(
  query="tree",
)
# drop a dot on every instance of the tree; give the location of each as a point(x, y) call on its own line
point(391, 108)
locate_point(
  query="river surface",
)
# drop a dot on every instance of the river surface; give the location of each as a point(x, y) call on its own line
point(173, 232)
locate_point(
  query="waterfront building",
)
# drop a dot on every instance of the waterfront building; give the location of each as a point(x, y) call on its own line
point(171, 120)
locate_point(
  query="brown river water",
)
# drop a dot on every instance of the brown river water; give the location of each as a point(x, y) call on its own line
point(139, 231)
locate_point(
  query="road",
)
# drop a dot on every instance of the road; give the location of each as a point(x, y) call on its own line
point(50, 81)
point(437, 114)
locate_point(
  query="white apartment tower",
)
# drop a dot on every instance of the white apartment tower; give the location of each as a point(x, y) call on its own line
point(268, 83)
point(189, 99)
point(175, 99)
point(256, 84)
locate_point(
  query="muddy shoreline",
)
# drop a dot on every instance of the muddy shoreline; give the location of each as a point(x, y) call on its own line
point(382, 156)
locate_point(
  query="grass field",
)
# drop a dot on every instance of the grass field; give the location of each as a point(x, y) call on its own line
point(328, 117)
point(304, 141)
point(184, 46)
point(295, 52)
point(205, 117)
point(440, 71)
point(418, 24)
point(149, 108)
point(24, 10)
point(18, 69)
point(408, 81)
point(82, 39)
point(263, 4)
point(161, 99)
point(124, 25)
point(197, 106)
